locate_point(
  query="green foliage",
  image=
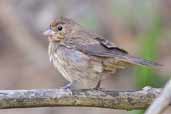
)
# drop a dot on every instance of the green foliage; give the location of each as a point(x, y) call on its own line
point(149, 51)
point(137, 112)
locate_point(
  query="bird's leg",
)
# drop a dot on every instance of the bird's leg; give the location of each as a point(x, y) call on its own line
point(98, 85)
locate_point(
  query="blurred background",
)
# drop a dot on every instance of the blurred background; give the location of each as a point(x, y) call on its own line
point(142, 27)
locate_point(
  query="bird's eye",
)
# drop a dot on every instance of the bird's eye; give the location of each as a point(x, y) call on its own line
point(59, 27)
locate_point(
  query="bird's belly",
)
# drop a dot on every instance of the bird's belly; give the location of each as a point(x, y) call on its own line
point(75, 66)
point(60, 67)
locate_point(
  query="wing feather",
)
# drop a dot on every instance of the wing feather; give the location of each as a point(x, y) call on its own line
point(103, 48)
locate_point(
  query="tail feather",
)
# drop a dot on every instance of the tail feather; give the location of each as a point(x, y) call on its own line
point(140, 61)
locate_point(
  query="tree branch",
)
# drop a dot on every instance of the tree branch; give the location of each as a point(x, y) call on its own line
point(162, 101)
point(89, 98)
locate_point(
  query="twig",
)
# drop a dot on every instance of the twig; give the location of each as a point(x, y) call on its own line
point(162, 102)
point(88, 98)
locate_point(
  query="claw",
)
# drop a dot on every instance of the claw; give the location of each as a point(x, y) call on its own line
point(68, 86)
point(65, 90)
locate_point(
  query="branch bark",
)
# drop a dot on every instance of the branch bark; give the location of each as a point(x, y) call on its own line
point(79, 98)
point(161, 103)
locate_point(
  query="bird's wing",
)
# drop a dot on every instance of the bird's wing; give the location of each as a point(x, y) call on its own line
point(97, 47)
point(110, 46)
point(103, 48)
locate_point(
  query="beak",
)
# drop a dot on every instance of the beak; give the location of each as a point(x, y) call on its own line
point(48, 32)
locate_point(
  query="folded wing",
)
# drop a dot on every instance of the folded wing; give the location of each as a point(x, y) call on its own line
point(104, 48)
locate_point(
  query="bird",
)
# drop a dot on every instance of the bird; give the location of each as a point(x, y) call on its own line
point(85, 58)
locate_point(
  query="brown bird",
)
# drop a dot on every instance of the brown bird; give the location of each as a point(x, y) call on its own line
point(84, 57)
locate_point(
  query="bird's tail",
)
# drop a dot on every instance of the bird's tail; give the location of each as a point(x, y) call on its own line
point(140, 61)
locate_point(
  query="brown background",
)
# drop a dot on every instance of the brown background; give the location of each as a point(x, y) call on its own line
point(24, 62)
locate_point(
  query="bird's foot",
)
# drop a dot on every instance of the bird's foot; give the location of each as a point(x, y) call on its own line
point(67, 88)
point(98, 88)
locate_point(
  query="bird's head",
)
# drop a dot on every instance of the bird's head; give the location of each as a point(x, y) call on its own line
point(61, 28)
